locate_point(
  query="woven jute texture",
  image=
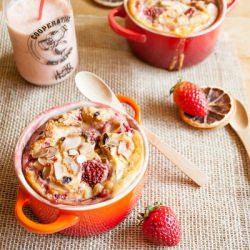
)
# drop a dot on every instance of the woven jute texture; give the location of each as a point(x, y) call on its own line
point(215, 216)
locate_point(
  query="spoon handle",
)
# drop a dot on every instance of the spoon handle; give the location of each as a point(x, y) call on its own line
point(181, 162)
point(244, 135)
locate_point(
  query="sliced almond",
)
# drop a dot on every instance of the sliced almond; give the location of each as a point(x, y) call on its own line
point(130, 148)
point(73, 152)
point(127, 154)
point(182, 20)
point(122, 147)
point(130, 134)
point(114, 142)
point(88, 193)
point(81, 159)
point(171, 13)
point(46, 171)
point(210, 1)
point(71, 142)
point(98, 189)
point(51, 152)
point(109, 185)
point(42, 161)
point(71, 164)
point(86, 148)
point(85, 126)
point(45, 152)
point(112, 151)
point(186, 1)
point(119, 171)
point(42, 152)
point(201, 7)
point(58, 169)
point(86, 190)
point(38, 166)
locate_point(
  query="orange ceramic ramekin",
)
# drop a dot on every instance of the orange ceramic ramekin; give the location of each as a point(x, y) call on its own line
point(68, 219)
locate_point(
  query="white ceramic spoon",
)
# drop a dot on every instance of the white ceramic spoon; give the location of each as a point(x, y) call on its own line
point(96, 90)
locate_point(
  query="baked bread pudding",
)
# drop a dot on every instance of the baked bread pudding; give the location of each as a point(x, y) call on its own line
point(83, 156)
point(175, 17)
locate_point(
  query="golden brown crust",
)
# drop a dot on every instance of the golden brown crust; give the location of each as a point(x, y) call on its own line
point(53, 161)
point(180, 18)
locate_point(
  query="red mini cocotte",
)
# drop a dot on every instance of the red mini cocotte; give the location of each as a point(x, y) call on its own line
point(165, 50)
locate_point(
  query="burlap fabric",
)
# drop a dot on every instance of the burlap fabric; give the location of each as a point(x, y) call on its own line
point(212, 217)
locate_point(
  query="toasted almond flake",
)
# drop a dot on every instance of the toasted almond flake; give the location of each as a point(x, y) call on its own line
point(46, 171)
point(86, 190)
point(51, 152)
point(58, 168)
point(81, 159)
point(42, 161)
point(86, 148)
point(112, 151)
point(71, 142)
point(130, 148)
point(41, 153)
point(130, 134)
point(119, 172)
point(126, 154)
point(109, 185)
point(75, 168)
point(186, 1)
point(85, 126)
point(38, 166)
point(122, 147)
point(71, 164)
point(45, 152)
point(98, 189)
point(73, 152)
point(88, 193)
point(182, 20)
point(114, 142)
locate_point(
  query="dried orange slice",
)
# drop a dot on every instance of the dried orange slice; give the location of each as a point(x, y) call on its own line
point(221, 108)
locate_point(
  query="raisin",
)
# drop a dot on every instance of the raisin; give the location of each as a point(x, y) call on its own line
point(97, 113)
point(66, 179)
point(56, 196)
point(40, 174)
point(105, 138)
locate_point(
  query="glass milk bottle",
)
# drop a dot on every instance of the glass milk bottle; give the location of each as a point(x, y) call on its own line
point(43, 38)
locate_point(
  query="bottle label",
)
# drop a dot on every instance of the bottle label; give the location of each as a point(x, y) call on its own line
point(52, 44)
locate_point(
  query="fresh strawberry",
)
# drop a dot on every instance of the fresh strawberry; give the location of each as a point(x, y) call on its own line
point(94, 171)
point(160, 225)
point(190, 98)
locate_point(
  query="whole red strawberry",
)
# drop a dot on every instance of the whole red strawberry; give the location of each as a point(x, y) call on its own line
point(190, 98)
point(160, 225)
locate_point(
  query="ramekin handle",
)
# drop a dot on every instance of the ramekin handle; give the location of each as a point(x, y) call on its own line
point(133, 105)
point(117, 28)
point(231, 5)
point(62, 222)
